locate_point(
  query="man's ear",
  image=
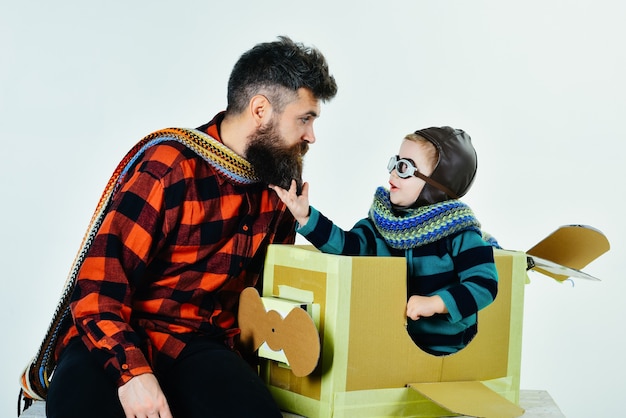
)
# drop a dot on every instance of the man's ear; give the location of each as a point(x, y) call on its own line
point(260, 109)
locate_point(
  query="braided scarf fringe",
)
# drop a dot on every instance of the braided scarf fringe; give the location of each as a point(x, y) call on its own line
point(420, 226)
point(36, 376)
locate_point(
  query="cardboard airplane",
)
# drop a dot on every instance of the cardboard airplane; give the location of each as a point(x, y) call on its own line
point(331, 332)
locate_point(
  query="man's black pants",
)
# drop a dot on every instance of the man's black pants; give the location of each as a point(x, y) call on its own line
point(206, 380)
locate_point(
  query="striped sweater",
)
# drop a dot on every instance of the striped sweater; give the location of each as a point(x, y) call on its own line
point(459, 268)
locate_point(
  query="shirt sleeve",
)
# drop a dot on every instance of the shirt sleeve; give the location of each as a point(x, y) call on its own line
point(474, 264)
point(132, 230)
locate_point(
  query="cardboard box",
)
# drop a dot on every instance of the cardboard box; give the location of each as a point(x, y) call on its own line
point(332, 330)
point(369, 366)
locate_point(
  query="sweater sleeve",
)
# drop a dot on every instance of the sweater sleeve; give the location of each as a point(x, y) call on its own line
point(329, 238)
point(474, 264)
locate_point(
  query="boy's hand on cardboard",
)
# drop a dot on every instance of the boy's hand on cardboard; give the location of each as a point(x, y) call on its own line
point(419, 306)
point(298, 205)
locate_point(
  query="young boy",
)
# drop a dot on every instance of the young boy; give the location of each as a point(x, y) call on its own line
point(451, 270)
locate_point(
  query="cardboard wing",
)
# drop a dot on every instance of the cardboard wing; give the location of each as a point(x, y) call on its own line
point(566, 251)
point(555, 270)
point(472, 399)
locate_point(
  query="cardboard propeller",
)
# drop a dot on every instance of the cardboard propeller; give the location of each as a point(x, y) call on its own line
point(295, 334)
point(567, 250)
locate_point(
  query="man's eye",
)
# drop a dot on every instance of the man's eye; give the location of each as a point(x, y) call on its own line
point(305, 120)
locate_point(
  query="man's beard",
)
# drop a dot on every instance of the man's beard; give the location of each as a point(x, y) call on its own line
point(273, 162)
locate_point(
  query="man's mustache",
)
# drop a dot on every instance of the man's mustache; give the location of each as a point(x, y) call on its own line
point(304, 148)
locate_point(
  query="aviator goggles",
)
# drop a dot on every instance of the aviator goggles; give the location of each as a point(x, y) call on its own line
point(404, 168)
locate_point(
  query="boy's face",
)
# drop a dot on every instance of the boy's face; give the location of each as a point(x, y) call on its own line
point(404, 191)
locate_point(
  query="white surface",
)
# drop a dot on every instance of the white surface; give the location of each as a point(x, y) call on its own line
point(536, 403)
point(537, 84)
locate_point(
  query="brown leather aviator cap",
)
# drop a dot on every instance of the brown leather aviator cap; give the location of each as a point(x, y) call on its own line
point(455, 171)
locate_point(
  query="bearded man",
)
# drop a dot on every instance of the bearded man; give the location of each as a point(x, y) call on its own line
point(189, 217)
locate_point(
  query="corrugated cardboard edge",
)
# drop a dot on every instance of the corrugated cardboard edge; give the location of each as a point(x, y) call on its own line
point(468, 398)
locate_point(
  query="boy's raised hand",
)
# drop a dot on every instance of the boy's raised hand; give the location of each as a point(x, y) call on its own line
point(298, 205)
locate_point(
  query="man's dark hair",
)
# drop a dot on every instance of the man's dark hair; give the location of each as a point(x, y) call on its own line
point(277, 70)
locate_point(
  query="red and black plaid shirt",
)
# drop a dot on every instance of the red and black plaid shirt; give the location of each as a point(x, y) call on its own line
point(175, 249)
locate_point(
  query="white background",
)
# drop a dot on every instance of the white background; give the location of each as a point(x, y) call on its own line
point(539, 85)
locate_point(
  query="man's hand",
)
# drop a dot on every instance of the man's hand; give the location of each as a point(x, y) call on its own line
point(141, 397)
point(298, 205)
point(419, 306)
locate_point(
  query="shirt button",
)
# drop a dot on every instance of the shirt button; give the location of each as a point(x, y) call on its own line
point(245, 227)
point(125, 367)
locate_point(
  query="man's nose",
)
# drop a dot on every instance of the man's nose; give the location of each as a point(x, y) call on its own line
point(309, 135)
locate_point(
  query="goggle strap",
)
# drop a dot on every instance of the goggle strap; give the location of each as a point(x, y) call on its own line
point(436, 185)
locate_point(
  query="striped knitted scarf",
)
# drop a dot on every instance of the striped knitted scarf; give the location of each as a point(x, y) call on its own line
point(35, 378)
point(415, 227)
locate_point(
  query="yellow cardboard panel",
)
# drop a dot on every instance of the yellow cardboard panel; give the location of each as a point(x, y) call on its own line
point(400, 402)
point(374, 403)
point(378, 341)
